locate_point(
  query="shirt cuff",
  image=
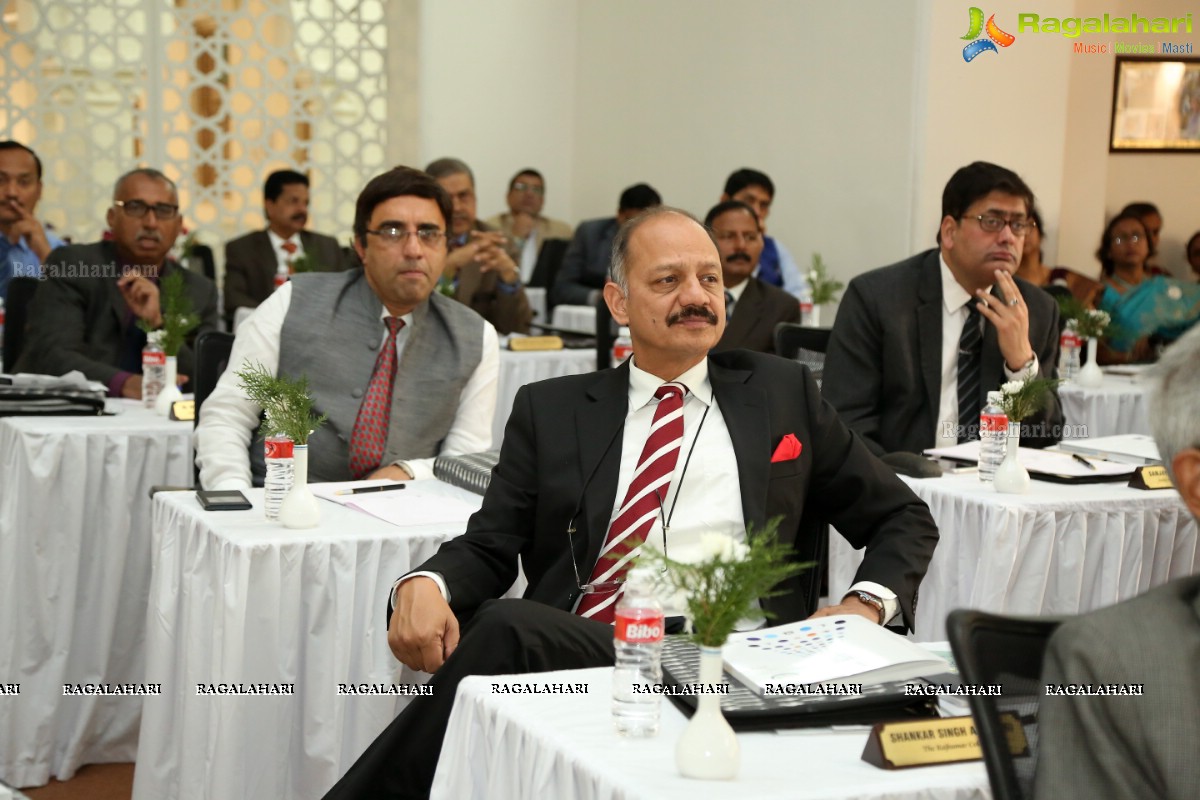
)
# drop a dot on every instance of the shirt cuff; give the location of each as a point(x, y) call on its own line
point(420, 468)
point(435, 577)
point(891, 604)
point(508, 288)
point(117, 382)
point(1025, 373)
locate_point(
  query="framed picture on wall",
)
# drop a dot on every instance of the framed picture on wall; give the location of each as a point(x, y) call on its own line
point(1156, 105)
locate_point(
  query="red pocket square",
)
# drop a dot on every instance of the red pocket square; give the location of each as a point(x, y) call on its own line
point(788, 450)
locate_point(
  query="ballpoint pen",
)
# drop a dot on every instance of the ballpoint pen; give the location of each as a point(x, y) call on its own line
point(1083, 461)
point(387, 487)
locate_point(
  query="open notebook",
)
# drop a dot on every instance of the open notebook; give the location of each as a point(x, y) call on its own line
point(1051, 465)
point(845, 649)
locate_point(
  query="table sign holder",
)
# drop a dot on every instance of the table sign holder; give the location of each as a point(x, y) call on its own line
point(921, 743)
point(1151, 477)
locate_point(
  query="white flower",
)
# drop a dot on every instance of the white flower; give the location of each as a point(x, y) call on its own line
point(1101, 318)
point(721, 546)
point(1012, 387)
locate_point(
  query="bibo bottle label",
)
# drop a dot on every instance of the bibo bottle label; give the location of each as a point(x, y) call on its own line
point(639, 629)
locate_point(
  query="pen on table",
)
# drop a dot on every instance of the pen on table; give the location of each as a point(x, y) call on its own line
point(387, 487)
point(1083, 461)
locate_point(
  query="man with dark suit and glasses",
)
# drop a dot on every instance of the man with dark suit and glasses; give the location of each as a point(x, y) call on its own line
point(752, 441)
point(917, 346)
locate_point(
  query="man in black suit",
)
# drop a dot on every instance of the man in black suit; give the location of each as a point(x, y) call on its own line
point(84, 316)
point(585, 266)
point(253, 261)
point(569, 453)
point(752, 307)
point(898, 370)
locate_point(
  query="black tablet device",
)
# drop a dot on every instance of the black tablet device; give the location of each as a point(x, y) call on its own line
point(225, 500)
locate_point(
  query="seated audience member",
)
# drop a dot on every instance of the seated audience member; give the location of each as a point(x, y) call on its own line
point(523, 224)
point(1147, 310)
point(1134, 747)
point(403, 372)
point(581, 278)
point(1057, 281)
point(917, 345)
point(1193, 255)
point(478, 268)
point(1152, 220)
point(84, 316)
point(571, 450)
point(24, 241)
point(752, 308)
point(252, 261)
point(776, 266)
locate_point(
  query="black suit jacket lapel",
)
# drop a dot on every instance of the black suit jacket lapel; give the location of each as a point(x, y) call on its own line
point(599, 423)
point(929, 326)
point(744, 409)
point(747, 311)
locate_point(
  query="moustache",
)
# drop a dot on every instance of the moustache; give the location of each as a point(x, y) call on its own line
point(300, 217)
point(739, 257)
point(150, 233)
point(699, 312)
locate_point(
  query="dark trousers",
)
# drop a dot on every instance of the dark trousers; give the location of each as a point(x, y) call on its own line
point(504, 637)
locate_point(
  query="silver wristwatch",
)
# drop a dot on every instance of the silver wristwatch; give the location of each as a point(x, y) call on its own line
point(870, 600)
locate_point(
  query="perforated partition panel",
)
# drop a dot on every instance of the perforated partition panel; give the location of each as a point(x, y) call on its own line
point(216, 93)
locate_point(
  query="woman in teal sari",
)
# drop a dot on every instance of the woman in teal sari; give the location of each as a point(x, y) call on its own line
point(1147, 310)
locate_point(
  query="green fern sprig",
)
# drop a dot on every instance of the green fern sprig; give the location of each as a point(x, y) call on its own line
point(287, 406)
point(178, 319)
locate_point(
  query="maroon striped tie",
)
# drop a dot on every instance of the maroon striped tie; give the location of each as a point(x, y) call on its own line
point(370, 433)
point(651, 480)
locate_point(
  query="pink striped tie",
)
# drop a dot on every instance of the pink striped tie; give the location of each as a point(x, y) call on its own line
point(651, 480)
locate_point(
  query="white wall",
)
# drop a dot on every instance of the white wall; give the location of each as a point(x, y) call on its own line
point(497, 89)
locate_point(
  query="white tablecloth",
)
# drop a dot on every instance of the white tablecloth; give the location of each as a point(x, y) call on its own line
point(564, 746)
point(519, 368)
point(238, 599)
point(74, 574)
point(1056, 550)
point(1119, 405)
point(575, 318)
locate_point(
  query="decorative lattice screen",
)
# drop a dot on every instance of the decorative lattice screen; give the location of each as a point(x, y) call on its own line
point(216, 93)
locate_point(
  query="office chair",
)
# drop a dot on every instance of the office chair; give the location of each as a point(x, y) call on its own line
point(991, 649)
point(16, 318)
point(806, 345)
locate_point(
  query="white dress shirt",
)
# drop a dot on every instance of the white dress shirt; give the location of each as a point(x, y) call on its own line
point(227, 426)
point(705, 495)
point(955, 310)
point(282, 257)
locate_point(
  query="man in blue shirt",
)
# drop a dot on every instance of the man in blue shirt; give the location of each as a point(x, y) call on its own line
point(776, 265)
point(24, 244)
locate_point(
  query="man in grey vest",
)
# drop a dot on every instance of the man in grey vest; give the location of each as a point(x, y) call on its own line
point(404, 373)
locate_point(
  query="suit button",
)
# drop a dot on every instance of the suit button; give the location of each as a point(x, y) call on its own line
point(357, 393)
point(372, 345)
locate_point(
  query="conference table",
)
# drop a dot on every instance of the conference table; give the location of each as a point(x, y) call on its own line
point(1119, 405)
point(1060, 549)
point(501, 744)
point(518, 368)
point(237, 601)
point(74, 576)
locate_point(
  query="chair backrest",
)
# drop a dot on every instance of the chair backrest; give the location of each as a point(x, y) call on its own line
point(16, 317)
point(212, 356)
point(806, 345)
point(549, 259)
point(208, 265)
point(991, 649)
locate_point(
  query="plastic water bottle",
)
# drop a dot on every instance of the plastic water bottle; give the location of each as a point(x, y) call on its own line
point(281, 275)
point(993, 436)
point(2, 328)
point(1069, 345)
point(622, 347)
point(154, 369)
point(280, 472)
point(806, 305)
point(637, 640)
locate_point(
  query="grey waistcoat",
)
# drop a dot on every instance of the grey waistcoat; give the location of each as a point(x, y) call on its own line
point(332, 334)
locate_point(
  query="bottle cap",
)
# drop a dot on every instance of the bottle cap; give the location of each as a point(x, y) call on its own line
point(623, 331)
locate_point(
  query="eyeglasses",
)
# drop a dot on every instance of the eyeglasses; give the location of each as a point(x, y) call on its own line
point(729, 236)
point(1132, 238)
point(521, 186)
point(607, 587)
point(994, 224)
point(138, 208)
point(394, 234)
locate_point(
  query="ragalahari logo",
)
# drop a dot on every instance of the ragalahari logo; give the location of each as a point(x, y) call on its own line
point(995, 36)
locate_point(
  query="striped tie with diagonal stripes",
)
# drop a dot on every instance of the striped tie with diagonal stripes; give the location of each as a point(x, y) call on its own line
point(970, 345)
point(633, 521)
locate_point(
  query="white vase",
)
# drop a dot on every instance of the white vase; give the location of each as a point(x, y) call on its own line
point(1011, 477)
point(170, 392)
point(1090, 376)
point(814, 317)
point(708, 748)
point(299, 508)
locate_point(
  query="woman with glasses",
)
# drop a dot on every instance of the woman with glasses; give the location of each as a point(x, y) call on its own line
point(1148, 310)
point(1058, 281)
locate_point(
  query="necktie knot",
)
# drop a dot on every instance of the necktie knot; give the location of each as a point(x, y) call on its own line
point(289, 247)
point(394, 324)
point(670, 390)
